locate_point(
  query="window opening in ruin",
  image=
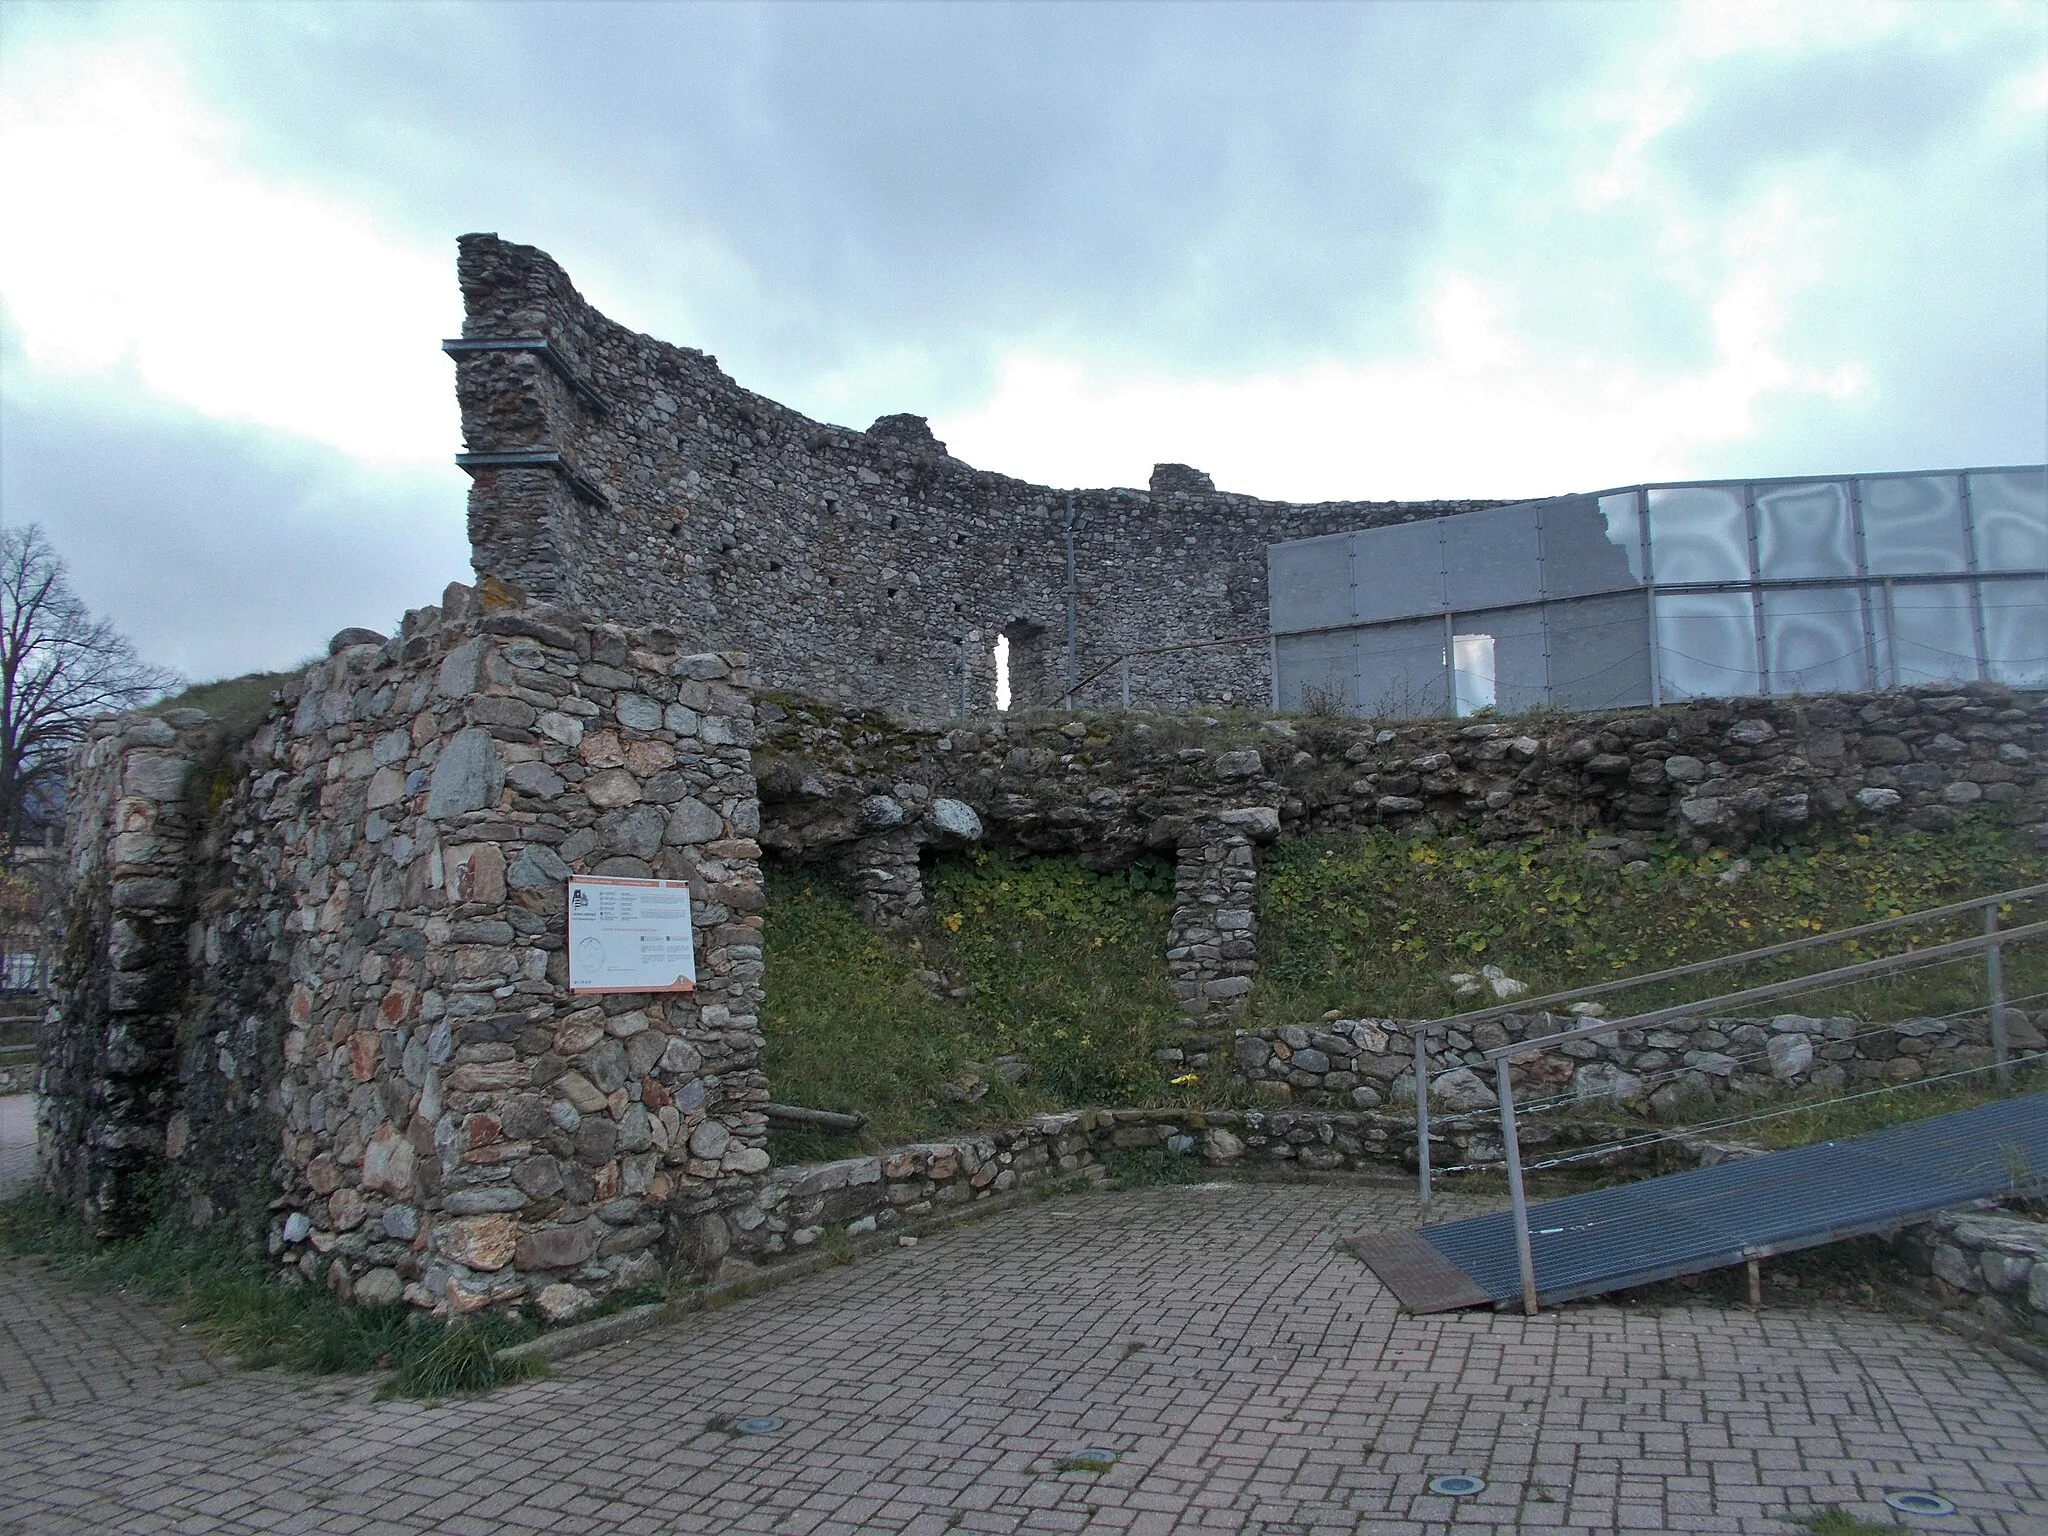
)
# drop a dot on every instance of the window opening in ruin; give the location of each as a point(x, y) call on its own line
point(1002, 672)
point(1026, 668)
point(1472, 675)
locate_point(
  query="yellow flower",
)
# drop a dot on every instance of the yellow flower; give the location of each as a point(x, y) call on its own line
point(1187, 1079)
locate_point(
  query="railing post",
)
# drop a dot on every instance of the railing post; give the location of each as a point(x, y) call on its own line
point(1511, 1144)
point(1422, 1115)
point(1994, 979)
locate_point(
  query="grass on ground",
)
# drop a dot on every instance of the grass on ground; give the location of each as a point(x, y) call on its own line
point(243, 1308)
point(1835, 1521)
point(1064, 972)
point(1373, 923)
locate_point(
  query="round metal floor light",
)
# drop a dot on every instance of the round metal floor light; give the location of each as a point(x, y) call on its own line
point(1457, 1485)
point(1914, 1502)
point(758, 1426)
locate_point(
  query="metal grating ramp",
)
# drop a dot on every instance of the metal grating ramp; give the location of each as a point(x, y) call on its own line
point(1686, 1223)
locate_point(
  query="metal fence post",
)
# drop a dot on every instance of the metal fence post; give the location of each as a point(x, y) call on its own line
point(1994, 978)
point(1422, 1116)
point(1511, 1144)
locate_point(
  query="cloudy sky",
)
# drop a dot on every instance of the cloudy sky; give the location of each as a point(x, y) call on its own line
point(1370, 250)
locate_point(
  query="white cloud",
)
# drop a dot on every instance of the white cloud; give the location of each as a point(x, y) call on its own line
point(1469, 417)
point(136, 241)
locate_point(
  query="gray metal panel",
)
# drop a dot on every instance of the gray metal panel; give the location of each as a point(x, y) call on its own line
point(1492, 558)
point(2010, 508)
point(1706, 645)
point(1933, 639)
point(1687, 1223)
point(1813, 640)
point(1399, 571)
point(1590, 544)
point(1315, 672)
point(1913, 525)
point(1804, 530)
point(2016, 632)
point(1401, 672)
point(1698, 533)
point(1308, 583)
point(1600, 652)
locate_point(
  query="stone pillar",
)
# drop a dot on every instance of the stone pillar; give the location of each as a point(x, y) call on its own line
point(108, 1080)
point(1211, 948)
point(887, 885)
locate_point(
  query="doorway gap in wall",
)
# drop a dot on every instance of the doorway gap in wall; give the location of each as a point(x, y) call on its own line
point(1472, 673)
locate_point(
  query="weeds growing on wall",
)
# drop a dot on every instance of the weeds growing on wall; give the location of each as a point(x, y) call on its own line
point(1372, 923)
point(1064, 969)
point(244, 1309)
point(238, 704)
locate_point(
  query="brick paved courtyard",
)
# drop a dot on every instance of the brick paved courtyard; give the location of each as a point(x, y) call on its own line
point(1248, 1375)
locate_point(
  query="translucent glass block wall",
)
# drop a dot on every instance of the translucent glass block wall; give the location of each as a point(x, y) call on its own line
point(1655, 593)
point(1826, 586)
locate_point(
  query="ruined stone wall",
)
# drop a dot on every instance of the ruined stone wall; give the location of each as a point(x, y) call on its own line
point(866, 567)
point(110, 1037)
point(849, 786)
point(359, 965)
point(1110, 787)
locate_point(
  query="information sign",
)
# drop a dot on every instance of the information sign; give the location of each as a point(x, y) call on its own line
point(630, 935)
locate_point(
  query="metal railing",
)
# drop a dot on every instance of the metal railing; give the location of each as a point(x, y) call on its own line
point(1991, 943)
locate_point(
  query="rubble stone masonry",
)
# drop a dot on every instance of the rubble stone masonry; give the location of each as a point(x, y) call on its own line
point(866, 567)
point(344, 945)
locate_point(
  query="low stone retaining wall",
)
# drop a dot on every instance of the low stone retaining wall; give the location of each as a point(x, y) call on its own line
point(1366, 1063)
point(19, 1079)
point(1988, 1274)
point(800, 1206)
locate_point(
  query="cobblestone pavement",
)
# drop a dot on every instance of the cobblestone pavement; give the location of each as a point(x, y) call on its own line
point(1249, 1376)
point(17, 1142)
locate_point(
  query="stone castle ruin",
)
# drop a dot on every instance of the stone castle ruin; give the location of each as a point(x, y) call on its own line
point(314, 980)
point(619, 475)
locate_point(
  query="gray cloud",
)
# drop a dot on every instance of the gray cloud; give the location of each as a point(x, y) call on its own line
point(1210, 185)
point(1884, 106)
point(863, 208)
point(222, 549)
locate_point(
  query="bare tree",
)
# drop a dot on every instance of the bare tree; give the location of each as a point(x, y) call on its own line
point(59, 668)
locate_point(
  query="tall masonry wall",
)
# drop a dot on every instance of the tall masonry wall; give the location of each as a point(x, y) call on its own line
point(321, 978)
point(624, 476)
